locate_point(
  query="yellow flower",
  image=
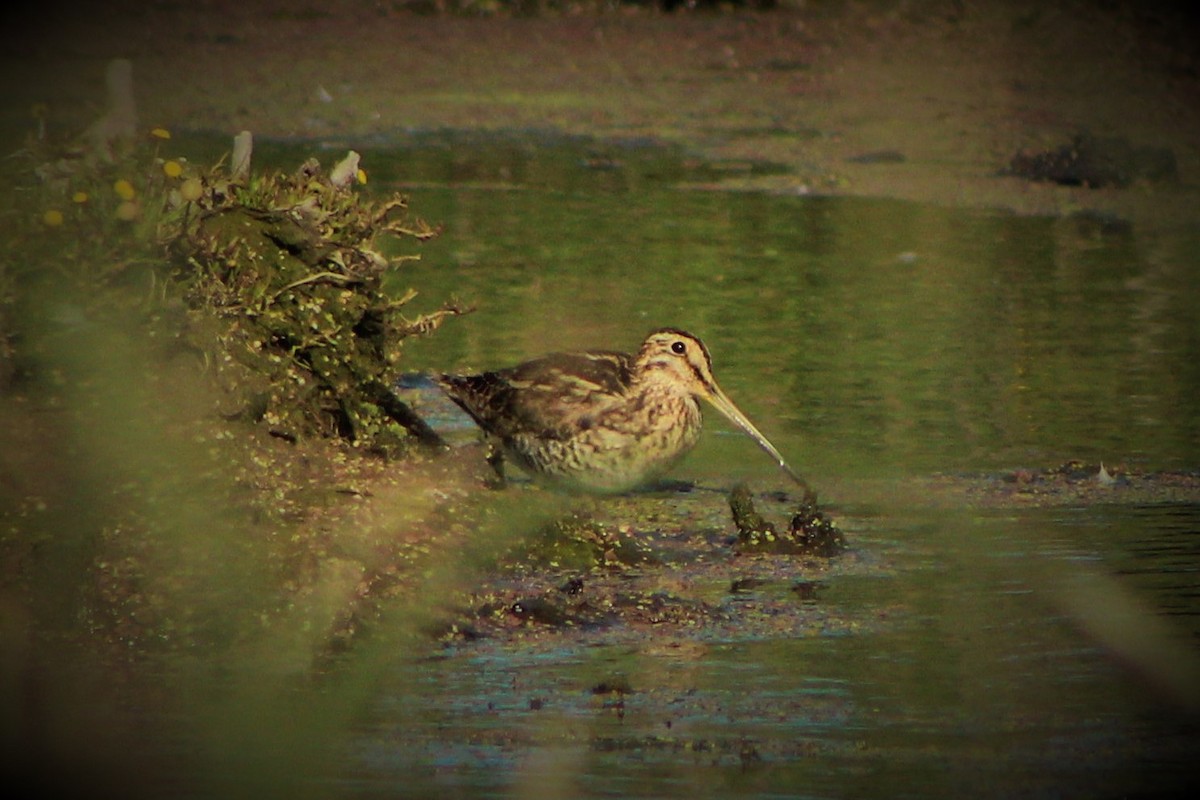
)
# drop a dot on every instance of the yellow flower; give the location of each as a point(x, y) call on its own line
point(52, 218)
point(124, 189)
point(362, 176)
point(160, 133)
point(191, 190)
point(79, 197)
point(172, 169)
point(128, 211)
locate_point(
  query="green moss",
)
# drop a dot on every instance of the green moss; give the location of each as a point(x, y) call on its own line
point(809, 532)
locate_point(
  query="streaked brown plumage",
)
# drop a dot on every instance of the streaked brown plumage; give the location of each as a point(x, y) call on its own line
point(599, 420)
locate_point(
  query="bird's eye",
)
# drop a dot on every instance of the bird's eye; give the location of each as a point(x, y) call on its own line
point(679, 348)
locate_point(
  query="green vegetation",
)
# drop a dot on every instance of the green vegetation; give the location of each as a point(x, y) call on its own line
point(187, 357)
point(810, 532)
point(273, 279)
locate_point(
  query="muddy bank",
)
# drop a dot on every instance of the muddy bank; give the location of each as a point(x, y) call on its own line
point(950, 92)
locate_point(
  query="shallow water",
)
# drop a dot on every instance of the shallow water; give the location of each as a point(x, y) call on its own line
point(868, 339)
point(1037, 652)
point(965, 672)
point(863, 336)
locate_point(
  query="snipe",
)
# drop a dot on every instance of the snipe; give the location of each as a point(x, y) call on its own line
point(598, 420)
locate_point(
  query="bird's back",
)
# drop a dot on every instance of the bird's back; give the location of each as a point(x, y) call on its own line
point(548, 396)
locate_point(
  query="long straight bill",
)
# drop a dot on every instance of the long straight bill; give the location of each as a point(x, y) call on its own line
point(723, 404)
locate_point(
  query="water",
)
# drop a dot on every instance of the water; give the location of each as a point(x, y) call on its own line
point(860, 335)
point(870, 340)
point(967, 673)
point(1019, 651)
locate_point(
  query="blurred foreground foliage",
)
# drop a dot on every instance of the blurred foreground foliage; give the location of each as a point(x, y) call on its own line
point(191, 361)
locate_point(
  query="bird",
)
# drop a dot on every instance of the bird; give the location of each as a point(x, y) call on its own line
point(600, 421)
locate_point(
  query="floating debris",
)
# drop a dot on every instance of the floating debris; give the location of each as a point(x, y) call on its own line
point(1096, 162)
point(878, 157)
point(809, 532)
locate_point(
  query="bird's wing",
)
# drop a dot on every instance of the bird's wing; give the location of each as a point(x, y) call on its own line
point(549, 397)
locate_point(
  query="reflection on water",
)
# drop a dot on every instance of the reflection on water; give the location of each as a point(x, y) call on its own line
point(1164, 565)
point(1037, 653)
point(862, 336)
point(867, 338)
point(967, 677)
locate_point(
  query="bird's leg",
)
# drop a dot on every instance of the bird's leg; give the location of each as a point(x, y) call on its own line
point(495, 459)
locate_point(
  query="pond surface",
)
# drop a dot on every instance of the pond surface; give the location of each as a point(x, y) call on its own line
point(1046, 649)
point(963, 671)
point(1034, 653)
point(862, 336)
